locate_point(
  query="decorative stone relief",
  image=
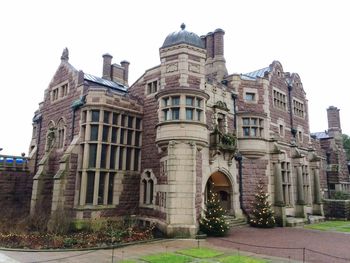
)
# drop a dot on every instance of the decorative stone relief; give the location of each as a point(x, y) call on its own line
point(171, 67)
point(193, 67)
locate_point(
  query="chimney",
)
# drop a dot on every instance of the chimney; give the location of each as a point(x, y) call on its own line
point(334, 128)
point(125, 64)
point(210, 45)
point(219, 42)
point(106, 71)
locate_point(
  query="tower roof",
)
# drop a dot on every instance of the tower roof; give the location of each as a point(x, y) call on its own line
point(183, 37)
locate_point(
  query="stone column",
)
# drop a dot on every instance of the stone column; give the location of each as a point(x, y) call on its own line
point(317, 192)
point(278, 184)
point(300, 188)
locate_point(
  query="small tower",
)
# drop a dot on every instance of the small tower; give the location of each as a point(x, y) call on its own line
point(334, 128)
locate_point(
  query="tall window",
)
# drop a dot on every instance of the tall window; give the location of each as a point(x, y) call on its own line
point(298, 108)
point(112, 142)
point(279, 100)
point(194, 108)
point(152, 87)
point(147, 188)
point(252, 127)
point(61, 129)
point(286, 183)
point(306, 184)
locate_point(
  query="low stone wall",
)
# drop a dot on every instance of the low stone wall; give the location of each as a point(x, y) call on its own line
point(15, 191)
point(337, 208)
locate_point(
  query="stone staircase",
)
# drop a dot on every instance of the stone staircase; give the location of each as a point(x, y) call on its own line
point(235, 222)
point(297, 221)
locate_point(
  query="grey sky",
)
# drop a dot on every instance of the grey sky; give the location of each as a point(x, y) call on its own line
point(307, 37)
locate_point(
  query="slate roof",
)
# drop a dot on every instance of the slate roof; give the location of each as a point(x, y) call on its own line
point(321, 135)
point(183, 37)
point(105, 82)
point(255, 74)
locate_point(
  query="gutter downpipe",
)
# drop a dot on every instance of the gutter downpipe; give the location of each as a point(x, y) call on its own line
point(293, 131)
point(76, 105)
point(39, 120)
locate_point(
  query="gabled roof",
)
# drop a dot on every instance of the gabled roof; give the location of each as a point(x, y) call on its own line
point(255, 74)
point(320, 135)
point(105, 82)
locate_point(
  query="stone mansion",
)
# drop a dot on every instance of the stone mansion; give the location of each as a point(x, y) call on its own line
point(154, 149)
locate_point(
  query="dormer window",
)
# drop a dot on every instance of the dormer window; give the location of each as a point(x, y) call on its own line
point(152, 87)
point(59, 92)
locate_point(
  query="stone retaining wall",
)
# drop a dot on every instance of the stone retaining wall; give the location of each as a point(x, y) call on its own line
point(337, 208)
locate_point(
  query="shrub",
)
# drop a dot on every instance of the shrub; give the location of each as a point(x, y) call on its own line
point(340, 195)
point(59, 222)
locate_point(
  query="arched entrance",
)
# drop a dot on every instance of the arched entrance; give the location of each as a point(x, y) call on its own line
point(220, 184)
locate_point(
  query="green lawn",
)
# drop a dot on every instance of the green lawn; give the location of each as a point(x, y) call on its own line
point(241, 259)
point(167, 257)
point(128, 261)
point(199, 255)
point(200, 252)
point(339, 226)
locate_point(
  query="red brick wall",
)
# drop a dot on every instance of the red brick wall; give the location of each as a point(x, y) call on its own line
point(253, 171)
point(15, 191)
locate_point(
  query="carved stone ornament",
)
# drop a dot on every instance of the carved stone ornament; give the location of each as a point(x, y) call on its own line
point(193, 67)
point(171, 67)
point(65, 55)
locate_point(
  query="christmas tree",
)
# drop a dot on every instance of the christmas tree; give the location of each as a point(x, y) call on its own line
point(213, 223)
point(262, 212)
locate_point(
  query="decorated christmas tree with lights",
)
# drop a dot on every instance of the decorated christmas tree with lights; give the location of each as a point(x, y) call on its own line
point(262, 213)
point(213, 222)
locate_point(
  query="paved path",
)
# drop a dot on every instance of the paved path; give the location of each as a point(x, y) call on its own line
point(336, 244)
point(318, 244)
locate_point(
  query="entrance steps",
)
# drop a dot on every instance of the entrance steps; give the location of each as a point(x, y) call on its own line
point(235, 222)
point(297, 221)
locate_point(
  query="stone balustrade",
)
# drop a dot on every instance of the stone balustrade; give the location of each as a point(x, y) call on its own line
point(8, 162)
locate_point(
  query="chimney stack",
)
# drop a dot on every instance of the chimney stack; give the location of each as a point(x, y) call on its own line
point(106, 71)
point(334, 128)
point(219, 42)
point(125, 64)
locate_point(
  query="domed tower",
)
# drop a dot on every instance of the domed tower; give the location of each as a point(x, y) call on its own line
point(181, 128)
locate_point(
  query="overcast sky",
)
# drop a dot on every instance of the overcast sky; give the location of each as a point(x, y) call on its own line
point(308, 37)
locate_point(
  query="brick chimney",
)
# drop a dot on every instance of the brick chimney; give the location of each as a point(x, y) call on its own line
point(219, 42)
point(106, 70)
point(125, 64)
point(334, 128)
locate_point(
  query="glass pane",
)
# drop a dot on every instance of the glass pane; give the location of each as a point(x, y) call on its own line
point(166, 112)
point(110, 188)
point(138, 123)
point(199, 113)
point(122, 136)
point(253, 131)
point(101, 188)
point(94, 133)
point(253, 121)
point(114, 135)
point(105, 133)
point(115, 118)
point(128, 158)
point(165, 102)
point(175, 100)
point(92, 155)
point(106, 117)
point(112, 157)
point(129, 140)
point(123, 120)
point(130, 121)
point(121, 158)
point(104, 155)
point(175, 113)
point(199, 103)
point(246, 131)
point(90, 187)
point(136, 159)
point(95, 116)
point(137, 138)
point(189, 101)
point(245, 121)
point(189, 114)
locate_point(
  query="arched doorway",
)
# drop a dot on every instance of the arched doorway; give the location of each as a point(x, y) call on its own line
point(220, 184)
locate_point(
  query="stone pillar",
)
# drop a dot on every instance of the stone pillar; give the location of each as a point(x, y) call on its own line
point(278, 184)
point(300, 188)
point(280, 210)
point(300, 211)
point(317, 190)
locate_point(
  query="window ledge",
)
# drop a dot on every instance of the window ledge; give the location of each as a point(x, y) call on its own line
point(94, 207)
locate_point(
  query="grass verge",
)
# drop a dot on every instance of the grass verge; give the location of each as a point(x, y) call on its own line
point(338, 226)
point(167, 257)
point(200, 252)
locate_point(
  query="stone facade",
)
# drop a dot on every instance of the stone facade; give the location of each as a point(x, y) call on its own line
point(154, 149)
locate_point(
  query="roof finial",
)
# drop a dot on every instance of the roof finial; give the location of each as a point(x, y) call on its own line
point(65, 55)
point(183, 26)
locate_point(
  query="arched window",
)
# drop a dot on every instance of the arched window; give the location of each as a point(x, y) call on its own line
point(61, 132)
point(148, 181)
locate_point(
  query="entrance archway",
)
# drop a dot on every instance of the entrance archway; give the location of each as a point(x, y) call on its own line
point(221, 185)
